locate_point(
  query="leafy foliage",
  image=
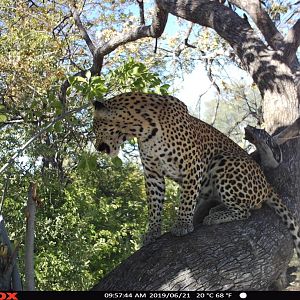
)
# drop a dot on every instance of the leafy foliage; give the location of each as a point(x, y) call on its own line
point(85, 229)
point(130, 76)
point(94, 209)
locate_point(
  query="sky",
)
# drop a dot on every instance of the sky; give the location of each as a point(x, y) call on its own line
point(193, 86)
point(196, 85)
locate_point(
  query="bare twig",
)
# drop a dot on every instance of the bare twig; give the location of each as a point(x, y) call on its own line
point(142, 11)
point(186, 41)
point(229, 132)
point(208, 68)
point(59, 24)
point(216, 112)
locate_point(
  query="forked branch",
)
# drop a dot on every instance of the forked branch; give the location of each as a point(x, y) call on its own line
point(154, 30)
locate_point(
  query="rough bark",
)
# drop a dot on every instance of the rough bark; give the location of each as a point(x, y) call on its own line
point(241, 255)
point(250, 254)
point(247, 255)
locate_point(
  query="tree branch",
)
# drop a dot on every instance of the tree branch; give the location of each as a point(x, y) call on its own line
point(230, 256)
point(263, 21)
point(228, 24)
point(267, 67)
point(274, 38)
point(142, 12)
point(13, 267)
point(292, 42)
point(154, 30)
point(186, 40)
point(269, 151)
point(82, 30)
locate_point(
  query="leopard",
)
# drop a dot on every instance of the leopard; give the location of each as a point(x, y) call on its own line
point(204, 162)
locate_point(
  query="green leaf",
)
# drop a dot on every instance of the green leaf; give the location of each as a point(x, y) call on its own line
point(71, 79)
point(57, 127)
point(117, 161)
point(80, 79)
point(136, 70)
point(87, 163)
point(3, 118)
point(98, 80)
point(133, 141)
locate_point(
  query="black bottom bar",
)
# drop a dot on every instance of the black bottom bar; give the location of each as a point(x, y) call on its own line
point(147, 295)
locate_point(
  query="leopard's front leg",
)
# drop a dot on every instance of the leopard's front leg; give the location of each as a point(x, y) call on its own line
point(188, 197)
point(155, 188)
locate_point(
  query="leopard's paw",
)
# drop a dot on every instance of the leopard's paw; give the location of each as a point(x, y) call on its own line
point(182, 228)
point(151, 236)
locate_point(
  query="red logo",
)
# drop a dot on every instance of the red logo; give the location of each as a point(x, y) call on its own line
point(8, 296)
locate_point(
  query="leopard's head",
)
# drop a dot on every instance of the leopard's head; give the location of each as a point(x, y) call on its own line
point(109, 137)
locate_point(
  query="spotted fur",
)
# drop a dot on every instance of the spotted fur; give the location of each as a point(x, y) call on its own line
point(200, 158)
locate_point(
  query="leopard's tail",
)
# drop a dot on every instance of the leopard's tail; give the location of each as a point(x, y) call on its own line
point(275, 202)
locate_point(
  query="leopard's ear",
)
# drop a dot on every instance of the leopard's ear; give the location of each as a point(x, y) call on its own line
point(101, 111)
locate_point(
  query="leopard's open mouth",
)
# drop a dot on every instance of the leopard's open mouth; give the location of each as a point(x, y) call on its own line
point(104, 148)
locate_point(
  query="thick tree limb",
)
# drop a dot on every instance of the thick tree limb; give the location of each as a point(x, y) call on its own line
point(267, 67)
point(269, 151)
point(231, 256)
point(292, 42)
point(288, 45)
point(263, 22)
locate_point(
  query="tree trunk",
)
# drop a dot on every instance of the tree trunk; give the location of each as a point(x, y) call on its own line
point(241, 255)
point(29, 238)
